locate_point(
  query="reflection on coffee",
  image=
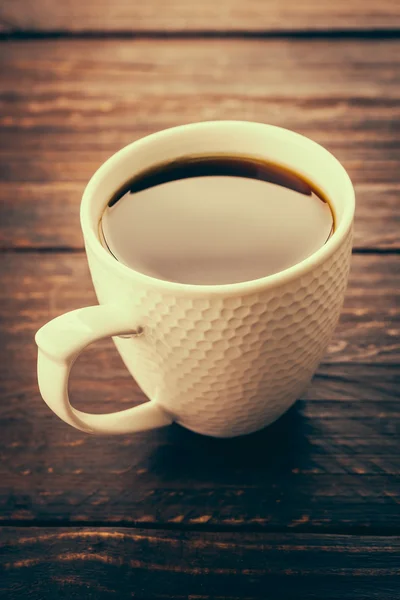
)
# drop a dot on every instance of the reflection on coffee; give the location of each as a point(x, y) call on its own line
point(215, 220)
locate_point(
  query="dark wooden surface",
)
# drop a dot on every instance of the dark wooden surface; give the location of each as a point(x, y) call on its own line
point(105, 563)
point(310, 507)
point(68, 104)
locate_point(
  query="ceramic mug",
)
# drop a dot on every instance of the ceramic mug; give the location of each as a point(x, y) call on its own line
point(221, 360)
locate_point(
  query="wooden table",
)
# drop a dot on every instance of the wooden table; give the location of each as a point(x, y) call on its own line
point(308, 508)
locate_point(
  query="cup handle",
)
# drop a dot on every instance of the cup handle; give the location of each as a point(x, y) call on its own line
point(60, 342)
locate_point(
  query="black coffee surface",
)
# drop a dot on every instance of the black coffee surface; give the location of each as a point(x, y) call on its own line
point(215, 220)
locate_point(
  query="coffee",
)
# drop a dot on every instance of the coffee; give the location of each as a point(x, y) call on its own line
point(215, 220)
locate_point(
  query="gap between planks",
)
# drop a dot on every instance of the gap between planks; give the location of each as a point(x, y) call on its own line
point(346, 34)
point(349, 530)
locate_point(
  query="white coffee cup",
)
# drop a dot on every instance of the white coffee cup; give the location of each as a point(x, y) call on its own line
point(222, 360)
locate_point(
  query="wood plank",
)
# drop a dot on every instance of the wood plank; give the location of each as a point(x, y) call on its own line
point(331, 463)
point(65, 107)
point(39, 287)
point(108, 563)
point(227, 15)
point(325, 466)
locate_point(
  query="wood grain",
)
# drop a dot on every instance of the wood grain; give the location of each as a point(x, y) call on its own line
point(108, 563)
point(65, 107)
point(227, 15)
point(330, 464)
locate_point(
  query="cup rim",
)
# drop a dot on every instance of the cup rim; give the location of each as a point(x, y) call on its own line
point(92, 240)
